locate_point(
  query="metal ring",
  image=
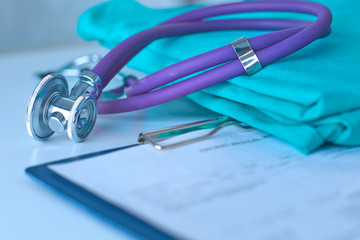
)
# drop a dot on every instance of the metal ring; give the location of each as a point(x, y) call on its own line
point(246, 55)
point(50, 86)
point(82, 118)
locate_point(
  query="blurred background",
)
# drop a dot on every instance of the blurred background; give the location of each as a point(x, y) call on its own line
point(47, 23)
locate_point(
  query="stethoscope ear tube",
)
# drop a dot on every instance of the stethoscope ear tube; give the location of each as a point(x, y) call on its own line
point(292, 36)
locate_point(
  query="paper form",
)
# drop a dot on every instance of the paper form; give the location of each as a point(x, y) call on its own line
point(236, 185)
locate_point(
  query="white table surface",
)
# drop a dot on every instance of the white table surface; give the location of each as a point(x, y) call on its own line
point(30, 210)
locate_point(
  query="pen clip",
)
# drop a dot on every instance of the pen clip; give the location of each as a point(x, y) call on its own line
point(154, 137)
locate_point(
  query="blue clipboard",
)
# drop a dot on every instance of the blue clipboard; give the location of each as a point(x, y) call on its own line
point(93, 202)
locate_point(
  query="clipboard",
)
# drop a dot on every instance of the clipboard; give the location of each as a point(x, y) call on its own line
point(163, 205)
point(91, 201)
point(118, 215)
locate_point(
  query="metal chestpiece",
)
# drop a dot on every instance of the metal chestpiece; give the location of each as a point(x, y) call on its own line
point(52, 109)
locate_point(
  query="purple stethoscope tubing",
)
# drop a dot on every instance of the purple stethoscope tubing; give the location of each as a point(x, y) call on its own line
point(292, 36)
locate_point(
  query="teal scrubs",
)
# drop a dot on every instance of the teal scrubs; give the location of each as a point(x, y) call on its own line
point(307, 99)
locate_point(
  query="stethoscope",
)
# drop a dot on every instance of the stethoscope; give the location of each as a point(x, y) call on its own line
point(52, 108)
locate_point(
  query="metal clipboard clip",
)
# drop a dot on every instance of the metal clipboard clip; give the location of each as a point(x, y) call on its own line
point(156, 136)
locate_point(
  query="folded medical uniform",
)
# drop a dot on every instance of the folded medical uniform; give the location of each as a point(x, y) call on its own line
point(307, 99)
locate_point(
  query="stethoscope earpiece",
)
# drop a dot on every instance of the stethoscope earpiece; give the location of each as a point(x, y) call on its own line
point(51, 108)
